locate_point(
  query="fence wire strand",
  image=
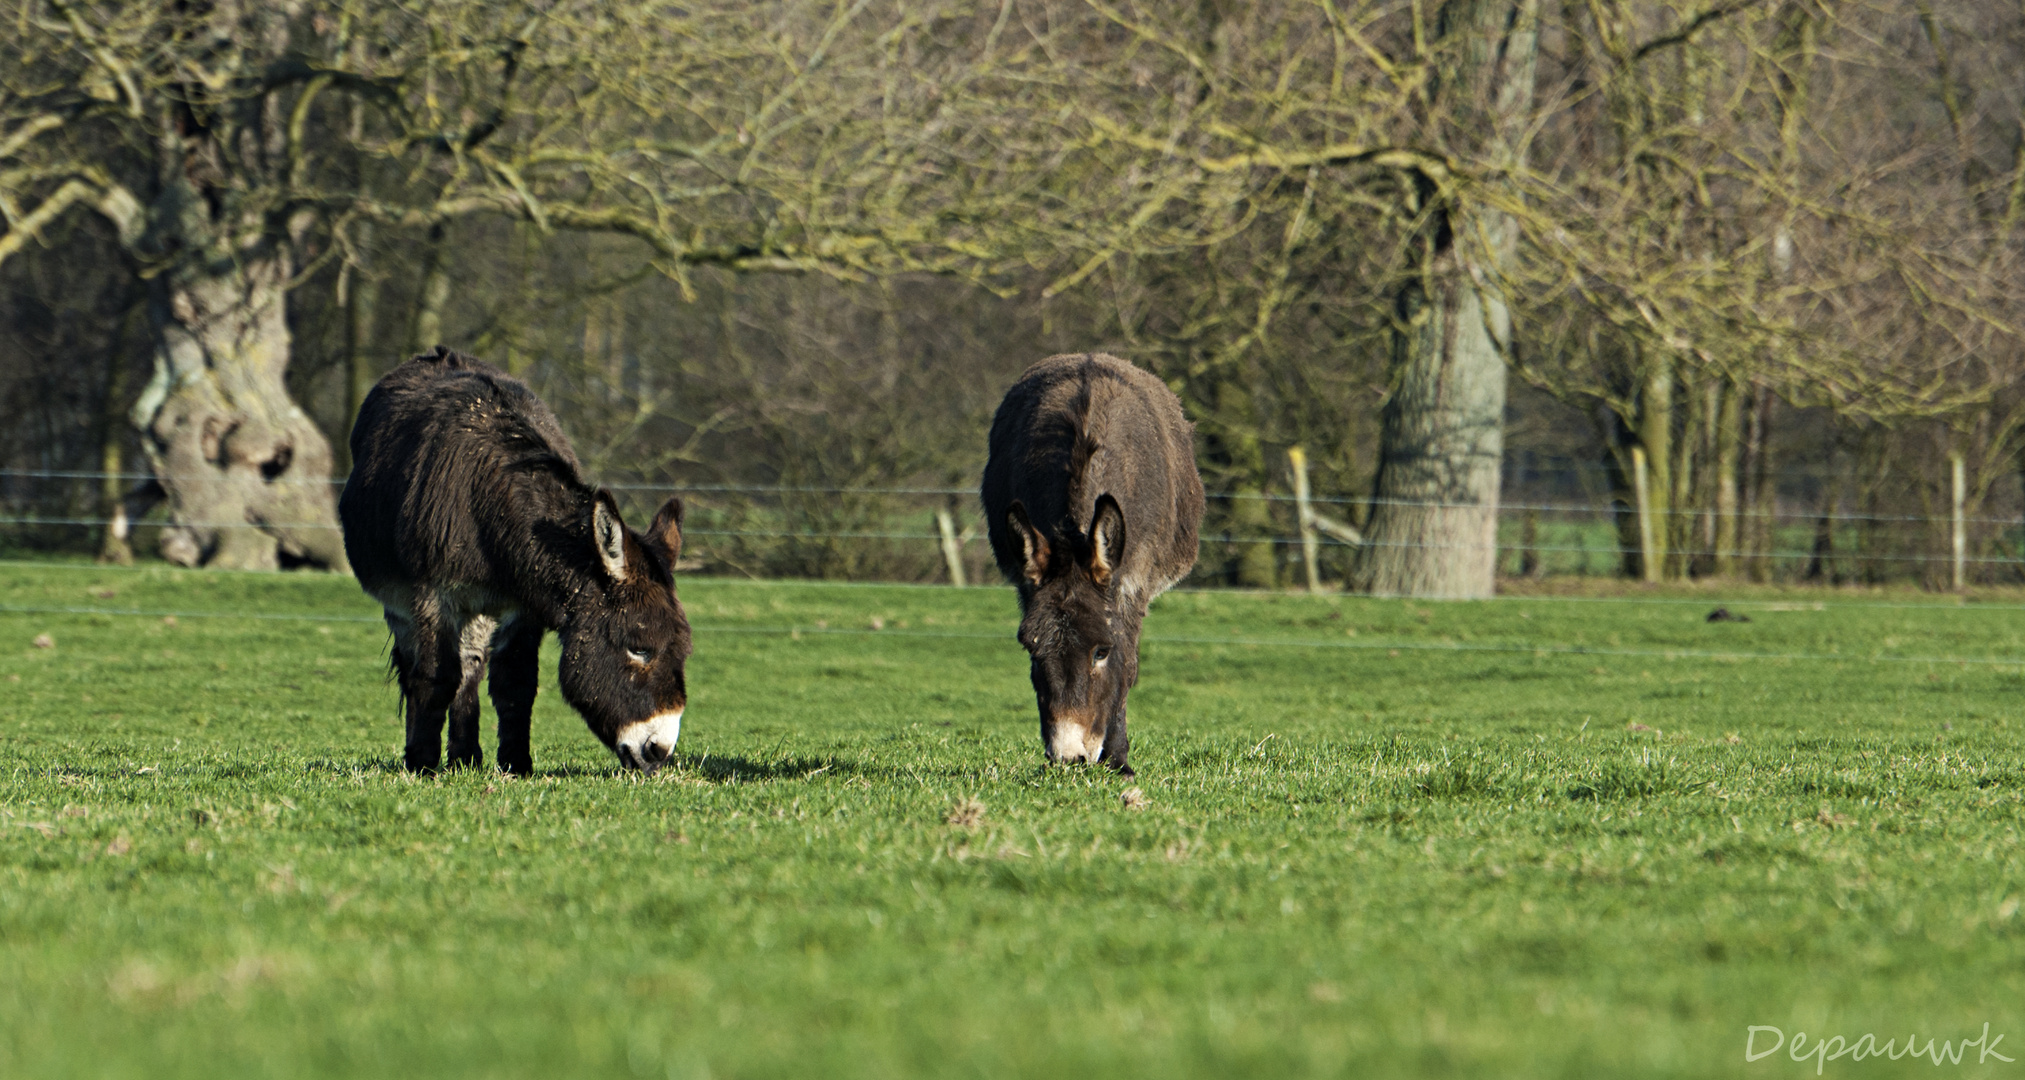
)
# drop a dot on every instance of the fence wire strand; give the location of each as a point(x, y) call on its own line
point(1951, 604)
point(1534, 649)
point(1614, 507)
point(1324, 541)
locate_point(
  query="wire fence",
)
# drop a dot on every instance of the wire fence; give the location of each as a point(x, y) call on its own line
point(928, 533)
point(1504, 506)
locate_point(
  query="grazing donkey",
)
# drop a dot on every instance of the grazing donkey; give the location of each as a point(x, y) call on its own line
point(468, 518)
point(1093, 501)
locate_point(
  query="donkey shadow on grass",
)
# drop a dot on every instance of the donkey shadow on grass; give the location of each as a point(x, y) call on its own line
point(717, 769)
point(707, 767)
point(737, 769)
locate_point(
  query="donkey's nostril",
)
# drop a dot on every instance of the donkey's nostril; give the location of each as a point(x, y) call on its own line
point(656, 753)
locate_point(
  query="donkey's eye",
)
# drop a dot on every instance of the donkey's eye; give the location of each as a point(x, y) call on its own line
point(639, 656)
point(1101, 653)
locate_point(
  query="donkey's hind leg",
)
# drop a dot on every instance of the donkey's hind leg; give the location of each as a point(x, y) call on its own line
point(474, 640)
point(426, 659)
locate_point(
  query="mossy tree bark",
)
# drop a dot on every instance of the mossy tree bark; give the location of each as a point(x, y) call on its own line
point(1434, 519)
point(246, 472)
point(1655, 434)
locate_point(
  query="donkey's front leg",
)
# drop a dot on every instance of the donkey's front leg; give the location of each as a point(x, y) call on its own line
point(516, 654)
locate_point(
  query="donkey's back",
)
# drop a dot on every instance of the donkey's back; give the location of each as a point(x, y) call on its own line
point(1081, 425)
point(440, 446)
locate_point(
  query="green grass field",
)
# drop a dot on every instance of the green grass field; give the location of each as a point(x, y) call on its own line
point(1540, 836)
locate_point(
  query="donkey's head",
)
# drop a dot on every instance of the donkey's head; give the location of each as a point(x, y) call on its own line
point(626, 637)
point(1085, 657)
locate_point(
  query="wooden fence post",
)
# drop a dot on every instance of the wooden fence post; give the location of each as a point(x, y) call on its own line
point(952, 548)
point(1314, 524)
point(1310, 545)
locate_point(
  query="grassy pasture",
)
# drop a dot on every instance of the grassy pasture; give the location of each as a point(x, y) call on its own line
point(1541, 836)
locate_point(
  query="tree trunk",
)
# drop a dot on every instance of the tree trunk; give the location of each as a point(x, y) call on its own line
point(1877, 537)
point(2018, 464)
point(1655, 433)
point(1761, 502)
point(1434, 520)
point(1821, 565)
point(1252, 520)
point(1680, 544)
point(1729, 439)
point(433, 295)
point(1251, 516)
point(362, 305)
point(1680, 531)
point(1234, 457)
point(1618, 438)
point(246, 472)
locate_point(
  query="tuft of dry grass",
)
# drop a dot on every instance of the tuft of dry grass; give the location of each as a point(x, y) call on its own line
point(966, 814)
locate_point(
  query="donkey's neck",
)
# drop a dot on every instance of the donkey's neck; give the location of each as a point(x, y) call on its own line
point(552, 564)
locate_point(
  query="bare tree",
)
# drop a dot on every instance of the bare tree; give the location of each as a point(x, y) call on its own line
point(237, 148)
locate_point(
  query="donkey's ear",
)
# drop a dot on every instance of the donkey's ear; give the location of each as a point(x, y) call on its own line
point(667, 529)
point(608, 533)
point(1033, 546)
point(1107, 539)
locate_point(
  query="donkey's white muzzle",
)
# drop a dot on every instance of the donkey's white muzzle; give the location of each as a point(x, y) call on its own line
point(647, 744)
point(1070, 741)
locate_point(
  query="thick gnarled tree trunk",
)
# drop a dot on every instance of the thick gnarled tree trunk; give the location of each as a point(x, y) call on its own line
point(245, 471)
point(1434, 522)
point(1434, 518)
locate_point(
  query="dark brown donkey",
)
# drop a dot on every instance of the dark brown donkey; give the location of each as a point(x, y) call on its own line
point(467, 517)
point(1093, 501)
